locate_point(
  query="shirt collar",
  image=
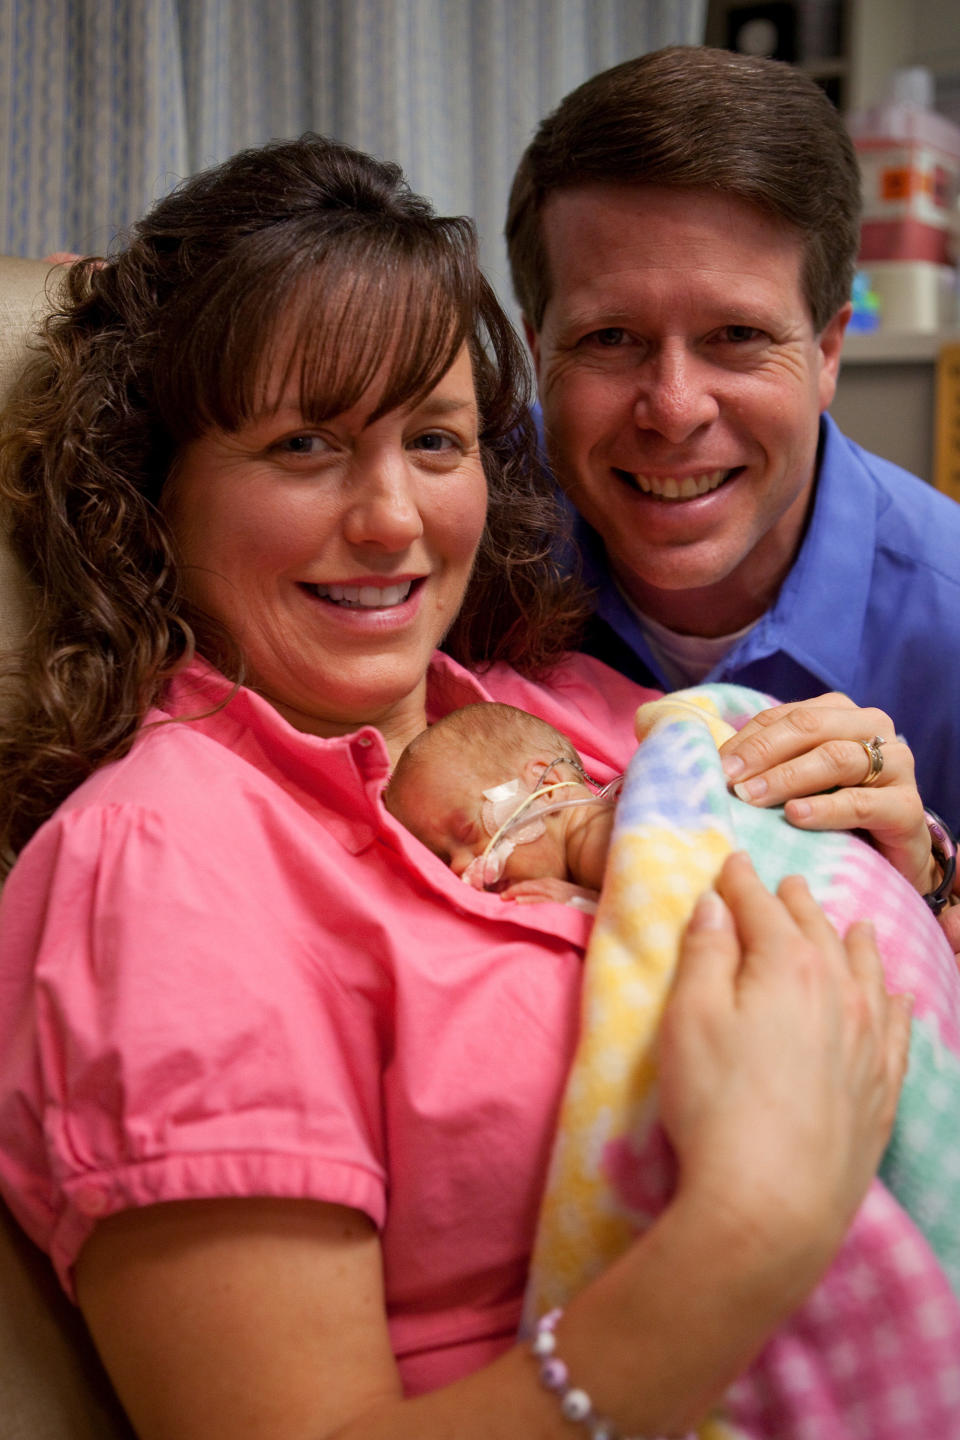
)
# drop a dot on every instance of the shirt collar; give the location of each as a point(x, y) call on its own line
point(819, 613)
point(339, 780)
point(353, 766)
point(233, 714)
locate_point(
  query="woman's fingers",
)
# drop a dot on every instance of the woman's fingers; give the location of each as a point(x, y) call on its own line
point(797, 898)
point(893, 818)
point(810, 747)
point(834, 762)
point(950, 921)
point(893, 1013)
point(709, 948)
point(763, 923)
point(814, 759)
point(883, 1019)
point(781, 731)
point(781, 1055)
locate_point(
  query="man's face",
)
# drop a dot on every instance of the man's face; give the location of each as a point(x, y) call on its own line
point(682, 383)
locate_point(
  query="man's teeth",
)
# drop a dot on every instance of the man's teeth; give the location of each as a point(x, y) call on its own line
point(365, 597)
point(691, 485)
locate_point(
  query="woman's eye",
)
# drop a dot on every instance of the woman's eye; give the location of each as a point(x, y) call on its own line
point(435, 442)
point(301, 445)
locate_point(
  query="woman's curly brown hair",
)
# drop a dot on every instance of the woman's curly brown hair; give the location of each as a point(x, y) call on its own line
point(303, 253)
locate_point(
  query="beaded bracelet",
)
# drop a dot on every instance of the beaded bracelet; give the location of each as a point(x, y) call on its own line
point(575, 1404)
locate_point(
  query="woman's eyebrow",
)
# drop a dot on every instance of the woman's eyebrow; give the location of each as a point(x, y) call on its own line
point(445, 405)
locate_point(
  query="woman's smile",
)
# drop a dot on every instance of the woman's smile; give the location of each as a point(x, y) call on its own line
point(371, 602)
point(363, 596)
point(336, 555)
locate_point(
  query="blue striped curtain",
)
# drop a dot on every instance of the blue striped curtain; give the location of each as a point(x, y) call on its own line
point(105, 104)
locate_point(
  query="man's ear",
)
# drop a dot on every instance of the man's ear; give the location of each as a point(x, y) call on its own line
point(830, 342)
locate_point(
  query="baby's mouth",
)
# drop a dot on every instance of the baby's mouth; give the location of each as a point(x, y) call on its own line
point(669, 487)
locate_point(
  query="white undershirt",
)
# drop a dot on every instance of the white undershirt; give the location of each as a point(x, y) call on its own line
point(686, 659)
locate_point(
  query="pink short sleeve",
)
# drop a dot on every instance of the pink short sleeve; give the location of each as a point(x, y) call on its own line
point(188, 1033)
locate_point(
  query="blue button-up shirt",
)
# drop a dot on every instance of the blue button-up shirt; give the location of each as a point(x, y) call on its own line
point(871, 607)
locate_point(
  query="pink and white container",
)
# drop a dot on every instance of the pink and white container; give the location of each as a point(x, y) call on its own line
point(910, 162)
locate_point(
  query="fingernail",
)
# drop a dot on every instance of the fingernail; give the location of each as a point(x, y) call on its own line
point(798, 809)
point(751, 789)
point(733, 765)
point(710, 913)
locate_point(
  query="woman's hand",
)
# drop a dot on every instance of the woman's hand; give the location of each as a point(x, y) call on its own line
point(950, 920)
point(810, 757)
point(782, 1057)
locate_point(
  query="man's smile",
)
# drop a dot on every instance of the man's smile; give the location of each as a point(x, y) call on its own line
point(669, 487)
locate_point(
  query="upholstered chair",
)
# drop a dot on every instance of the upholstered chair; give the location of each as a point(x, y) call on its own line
point(52, 1386)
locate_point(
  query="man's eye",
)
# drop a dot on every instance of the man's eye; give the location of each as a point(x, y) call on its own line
point(611, 336)
point(740, 334)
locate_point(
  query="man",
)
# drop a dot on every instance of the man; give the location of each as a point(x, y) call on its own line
point(682, 235)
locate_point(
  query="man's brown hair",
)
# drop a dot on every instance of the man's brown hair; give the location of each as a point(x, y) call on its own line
point(690, 117)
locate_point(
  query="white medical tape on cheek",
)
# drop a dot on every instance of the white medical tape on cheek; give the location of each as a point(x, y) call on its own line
point(499, 804)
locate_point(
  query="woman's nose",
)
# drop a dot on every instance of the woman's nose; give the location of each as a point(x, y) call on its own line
point(384, 510)
point(675, 398)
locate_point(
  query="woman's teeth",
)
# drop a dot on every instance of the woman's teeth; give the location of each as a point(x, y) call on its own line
point(365, 597)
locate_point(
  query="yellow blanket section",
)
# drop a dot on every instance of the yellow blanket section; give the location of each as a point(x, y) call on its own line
point(653, 878)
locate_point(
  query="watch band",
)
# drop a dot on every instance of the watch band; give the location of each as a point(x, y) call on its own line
point(945, 853)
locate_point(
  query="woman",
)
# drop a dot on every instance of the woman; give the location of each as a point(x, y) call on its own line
point(278, 1090)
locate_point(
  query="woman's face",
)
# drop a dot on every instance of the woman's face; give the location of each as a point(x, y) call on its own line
point(337, 555)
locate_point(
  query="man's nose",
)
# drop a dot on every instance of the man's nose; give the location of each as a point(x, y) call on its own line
point(675, 396)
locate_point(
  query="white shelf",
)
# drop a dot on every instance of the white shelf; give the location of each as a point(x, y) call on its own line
point(892, 347)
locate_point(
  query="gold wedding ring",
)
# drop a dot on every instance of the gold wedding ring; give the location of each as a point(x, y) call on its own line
point(874, 758)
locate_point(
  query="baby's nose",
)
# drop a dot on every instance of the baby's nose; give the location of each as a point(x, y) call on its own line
point(461, 860)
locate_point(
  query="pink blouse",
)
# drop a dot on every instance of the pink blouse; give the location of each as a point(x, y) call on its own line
point(225, 970)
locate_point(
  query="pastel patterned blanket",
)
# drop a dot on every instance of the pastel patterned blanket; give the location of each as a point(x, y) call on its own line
point(875, 1351)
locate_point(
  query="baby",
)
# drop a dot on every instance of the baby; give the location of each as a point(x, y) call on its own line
point(503, 799)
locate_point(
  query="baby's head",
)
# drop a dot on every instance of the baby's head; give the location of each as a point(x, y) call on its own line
point(458, 782)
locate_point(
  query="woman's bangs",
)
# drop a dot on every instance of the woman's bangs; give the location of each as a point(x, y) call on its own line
point(387, 333)
point(365, 314)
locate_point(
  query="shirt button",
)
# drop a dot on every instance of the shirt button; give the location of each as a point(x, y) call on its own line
point(365, 741)
point(91, 1199)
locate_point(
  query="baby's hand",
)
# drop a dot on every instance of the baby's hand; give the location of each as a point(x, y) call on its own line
point(531, 892)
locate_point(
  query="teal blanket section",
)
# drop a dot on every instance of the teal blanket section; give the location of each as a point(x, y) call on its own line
point(777, 849)
point(921, 1166)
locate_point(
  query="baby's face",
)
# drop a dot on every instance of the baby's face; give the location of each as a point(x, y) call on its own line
point(443, 804)
point(440, 803)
